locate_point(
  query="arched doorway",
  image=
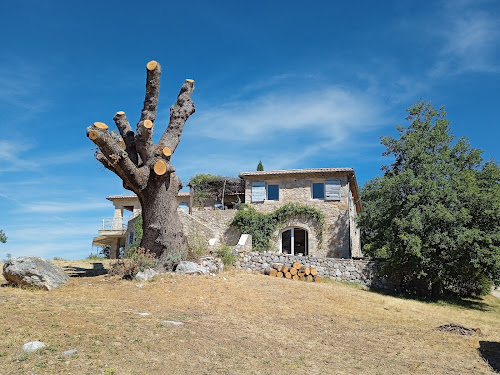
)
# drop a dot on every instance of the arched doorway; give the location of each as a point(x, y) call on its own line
point(294, 241)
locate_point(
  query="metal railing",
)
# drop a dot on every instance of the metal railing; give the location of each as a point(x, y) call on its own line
point(110, 223)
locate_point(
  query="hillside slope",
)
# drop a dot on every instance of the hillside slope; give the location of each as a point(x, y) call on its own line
point(238, 323)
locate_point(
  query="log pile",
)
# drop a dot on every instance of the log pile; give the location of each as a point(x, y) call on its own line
point(295, 271)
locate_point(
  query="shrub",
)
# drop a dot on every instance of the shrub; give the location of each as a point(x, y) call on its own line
point(197, 244)
point(226, 255)
point(129, 267)
point(93, 257)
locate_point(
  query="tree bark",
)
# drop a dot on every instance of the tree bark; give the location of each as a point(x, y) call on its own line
point(162, 229)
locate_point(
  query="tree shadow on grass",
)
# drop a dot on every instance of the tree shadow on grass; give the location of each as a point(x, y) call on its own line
point(96, 270)
point(490, 351)
point(467, 303)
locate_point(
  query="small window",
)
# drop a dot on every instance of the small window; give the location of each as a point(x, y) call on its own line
point(273, 192)
point(318, 190)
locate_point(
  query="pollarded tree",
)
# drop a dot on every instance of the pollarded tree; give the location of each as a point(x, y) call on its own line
point(146, 168)
point(435, 214)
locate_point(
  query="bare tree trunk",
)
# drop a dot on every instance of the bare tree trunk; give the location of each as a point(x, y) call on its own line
point(146, 168)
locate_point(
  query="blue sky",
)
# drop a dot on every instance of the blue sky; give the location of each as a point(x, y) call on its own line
point(295, 84)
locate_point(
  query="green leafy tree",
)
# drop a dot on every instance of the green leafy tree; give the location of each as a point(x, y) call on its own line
point(260, 167)
point(201, 184)
point(435, 214)
point(3, 237)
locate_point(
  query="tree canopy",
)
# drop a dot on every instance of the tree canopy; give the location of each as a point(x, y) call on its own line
point(3, 237)
point(435, 213)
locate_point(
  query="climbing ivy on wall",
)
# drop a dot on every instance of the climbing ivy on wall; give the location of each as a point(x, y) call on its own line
point(261, 226)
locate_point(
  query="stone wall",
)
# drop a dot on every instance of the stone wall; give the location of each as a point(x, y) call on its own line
point(218, 221)
point(364, 272)
point(195, 229)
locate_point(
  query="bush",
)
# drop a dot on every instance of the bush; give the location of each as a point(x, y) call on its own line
point(226, 255)
point(93, 257)
point(197, 244)
point(138, 261)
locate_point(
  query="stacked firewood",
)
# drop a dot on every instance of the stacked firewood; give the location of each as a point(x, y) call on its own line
point(295, 272)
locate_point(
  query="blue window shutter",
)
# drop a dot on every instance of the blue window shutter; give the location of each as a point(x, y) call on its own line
point(273, 192)
point(318, 190)
point(258, 191)
point(332, 190)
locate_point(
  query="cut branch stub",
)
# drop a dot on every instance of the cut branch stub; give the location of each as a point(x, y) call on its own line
point(160, 167)
point(127, 134)
point(148, 124)
point(93, 135)
point(179, 113)
point(152, 91)
point(166, 151)
point(101, 125)
point(152, 65)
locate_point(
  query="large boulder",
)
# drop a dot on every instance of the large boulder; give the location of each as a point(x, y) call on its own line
point(190, 268)
point(34, 271)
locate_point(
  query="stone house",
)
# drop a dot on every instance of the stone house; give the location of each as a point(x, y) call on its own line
point(333, 191)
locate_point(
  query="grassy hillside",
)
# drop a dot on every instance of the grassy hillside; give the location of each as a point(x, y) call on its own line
point(238, 323)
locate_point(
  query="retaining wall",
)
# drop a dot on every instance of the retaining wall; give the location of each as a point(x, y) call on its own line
point(361, 271)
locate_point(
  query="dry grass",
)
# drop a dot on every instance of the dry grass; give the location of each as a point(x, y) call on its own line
point(237, 323)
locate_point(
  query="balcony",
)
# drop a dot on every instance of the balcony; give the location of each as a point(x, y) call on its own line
point(112, 227)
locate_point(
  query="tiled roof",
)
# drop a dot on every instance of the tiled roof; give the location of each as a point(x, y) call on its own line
point(130, 196)
point(296, 171)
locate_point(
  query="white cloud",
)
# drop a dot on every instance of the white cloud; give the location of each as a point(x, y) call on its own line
point(471, 39)
point(11, 156)
point(330, 112)
point(23, 88)
point(53, 207)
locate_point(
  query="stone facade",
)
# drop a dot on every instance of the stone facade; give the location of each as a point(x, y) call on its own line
point(340, 237)
point(364, 272)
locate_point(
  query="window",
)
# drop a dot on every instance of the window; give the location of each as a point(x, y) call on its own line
point(318, 190)
point(273, 192)
point(294, 241)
